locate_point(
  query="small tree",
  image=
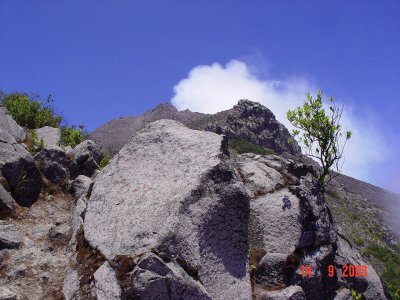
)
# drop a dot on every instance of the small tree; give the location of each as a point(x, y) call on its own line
point(320, 134)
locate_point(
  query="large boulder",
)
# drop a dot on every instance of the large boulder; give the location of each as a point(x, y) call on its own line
point(174, 191)
point(51, 136)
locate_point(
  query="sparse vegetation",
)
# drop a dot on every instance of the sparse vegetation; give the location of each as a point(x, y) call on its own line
point(363, 228)
point(358, 241)
point(320, 134)
point(35, 145)
point(30, 111)
point(104, 161)
point(72, 136)
point(390, 257)
point(242, 146)
point(355, 295)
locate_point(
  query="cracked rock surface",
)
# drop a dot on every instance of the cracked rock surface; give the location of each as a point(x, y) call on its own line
point(174, 190)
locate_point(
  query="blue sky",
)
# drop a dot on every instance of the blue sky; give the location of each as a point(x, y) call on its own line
point(105, 59)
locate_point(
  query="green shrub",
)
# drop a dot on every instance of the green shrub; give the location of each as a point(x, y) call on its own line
point(104, 161)
point(359, 241)
point(391, 272)
point(72, 136)
point(355, 295)
point(30, 113)
point(241, 146)
point(35, 145)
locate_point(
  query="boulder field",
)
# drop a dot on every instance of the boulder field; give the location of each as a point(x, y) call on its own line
point(174, 215)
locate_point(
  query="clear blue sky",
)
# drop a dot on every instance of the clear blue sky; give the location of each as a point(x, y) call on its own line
point(105, 59)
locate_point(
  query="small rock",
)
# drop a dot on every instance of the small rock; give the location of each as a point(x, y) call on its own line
point(7, 294)
point(293, 292)
point(60, 233)
point(342, 294)
point(68, 150)
point(77, 221)
point(270, 271)
point(18, 272)
point(6, 203)
point(86, 149)
point(10, 238)
point(71, 285)
point(81, 186)
point(106, 284)
point(154, 279)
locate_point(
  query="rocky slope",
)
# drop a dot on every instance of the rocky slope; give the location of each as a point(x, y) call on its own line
point(174, 215)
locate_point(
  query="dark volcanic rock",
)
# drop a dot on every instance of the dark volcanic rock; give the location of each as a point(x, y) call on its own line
point(253, 122)
point(87, 156)
point(22, 175)
point(16, 164)
point(55, 165)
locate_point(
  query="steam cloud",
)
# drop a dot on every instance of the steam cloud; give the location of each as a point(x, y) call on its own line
point(212, 88)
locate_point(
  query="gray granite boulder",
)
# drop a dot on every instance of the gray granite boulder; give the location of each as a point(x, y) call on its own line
point(10, 127)
point(51, 137)
point(175, 191)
